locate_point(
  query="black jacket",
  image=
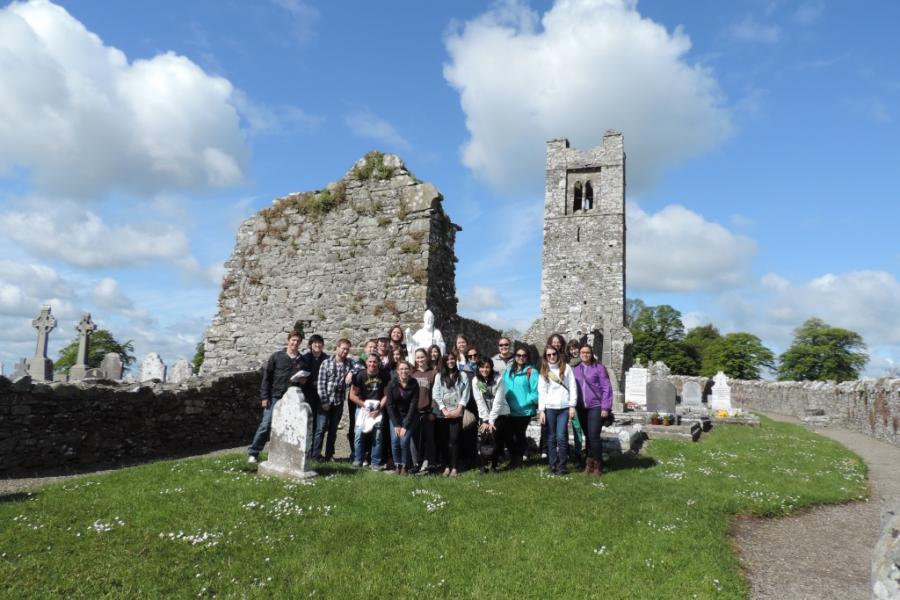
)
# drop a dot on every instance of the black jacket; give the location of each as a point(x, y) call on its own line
point(276, 375)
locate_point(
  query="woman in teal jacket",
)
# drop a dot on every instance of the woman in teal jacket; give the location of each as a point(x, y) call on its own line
point(520, 381)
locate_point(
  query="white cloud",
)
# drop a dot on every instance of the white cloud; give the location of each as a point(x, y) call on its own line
point(678, 250)
point(283, 119)
point(85, 120)
point(809, 12)
point(303, 17)
point(25, 287)
point(369, 125)
point(108, 295)
point(481, 298)
point(750, 30)
point(592, 65)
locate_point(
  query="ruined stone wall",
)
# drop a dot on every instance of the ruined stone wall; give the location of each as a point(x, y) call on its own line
point(54, 428)
point(583, 270)
point(377, 253)
point(869, 406)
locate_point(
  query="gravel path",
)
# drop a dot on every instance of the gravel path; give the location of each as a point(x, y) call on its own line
point(825, 552)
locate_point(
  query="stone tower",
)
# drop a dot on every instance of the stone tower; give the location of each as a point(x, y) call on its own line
point(583, 274)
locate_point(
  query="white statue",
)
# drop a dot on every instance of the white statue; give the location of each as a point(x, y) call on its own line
point(426, 337)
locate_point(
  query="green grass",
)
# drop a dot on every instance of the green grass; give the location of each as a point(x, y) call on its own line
point(653, 527)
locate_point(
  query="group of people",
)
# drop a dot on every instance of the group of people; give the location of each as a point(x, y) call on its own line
point(439, 411)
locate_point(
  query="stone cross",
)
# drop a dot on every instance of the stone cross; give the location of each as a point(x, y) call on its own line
point(84, 328)
point(40, 367)
point(291, 437)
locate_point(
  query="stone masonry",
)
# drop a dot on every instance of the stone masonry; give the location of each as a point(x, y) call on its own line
point(369, 251)
point(583, 272)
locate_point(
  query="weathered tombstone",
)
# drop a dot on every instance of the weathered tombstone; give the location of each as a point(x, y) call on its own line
point(60, 376)
point(721, 393)
point(691, 395)
point(291, 437)
point(659, 371)
point(181, 371)
point(39, 366)
point(20, 371)
point(111, 366)
point(661, 397)
point(84, 328)
point(636, 385)
point(152, 367)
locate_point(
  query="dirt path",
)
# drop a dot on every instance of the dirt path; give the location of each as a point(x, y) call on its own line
point(825, 552)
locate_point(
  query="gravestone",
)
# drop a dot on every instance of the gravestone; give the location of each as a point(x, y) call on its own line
point(661, 397)
point(60, 376)
point(291, 437)
point(111, 366)
point(20, 370)
point(181, 371)
point(84, 328)
point(721, 393)
point(691, 395)
point(659, 371)
point(39, 366)
point(152, 367)
point(636, 385)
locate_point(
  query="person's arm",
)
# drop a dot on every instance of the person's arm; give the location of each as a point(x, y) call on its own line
point(543, 389)
point(572, 388)
point(354, 395)
point(483, 411)
point(606, 394)
point(392, 398)
point(413, 403)
point(322, 383)
point(499, 402)
point(265, 388)
point(463, 386)
point(438, 393)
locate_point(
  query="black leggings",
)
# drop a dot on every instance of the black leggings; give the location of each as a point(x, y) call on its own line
point(516, 439)
point(447, 446)
point(592, 423)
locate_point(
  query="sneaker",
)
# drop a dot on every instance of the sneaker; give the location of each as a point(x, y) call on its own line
point(453, 473)
point(564, 471)
point(252, 459)
point(375, 467)
point(424, 465)
point(543, 455)
point(365, 463)
point(357, 464)
point(447, 472)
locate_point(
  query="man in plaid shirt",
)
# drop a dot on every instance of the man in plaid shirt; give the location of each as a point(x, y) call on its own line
point(334, 376)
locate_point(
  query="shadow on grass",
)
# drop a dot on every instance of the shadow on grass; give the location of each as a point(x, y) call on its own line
point(624, 463)
point(17, 497)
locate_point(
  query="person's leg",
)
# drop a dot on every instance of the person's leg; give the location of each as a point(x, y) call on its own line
point(357, 447)
point(499, 435)
point(406, 459)
point(396, 450)
point(351, 427)
point(550, 421)
point(378, 445)
point(262, 434)
point(582, 413)
point(595, 428)
point(321, 431)
point(440, 441)
point(454, 427)
point(562, 439)
point(383, 440)
point(334, 418)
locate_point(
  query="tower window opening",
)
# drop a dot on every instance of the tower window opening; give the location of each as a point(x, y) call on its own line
point(588, 196)
point(576, 203)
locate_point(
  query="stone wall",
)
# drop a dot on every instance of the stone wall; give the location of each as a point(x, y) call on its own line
point(371, 250)
point(869, 406)
point(57, 427)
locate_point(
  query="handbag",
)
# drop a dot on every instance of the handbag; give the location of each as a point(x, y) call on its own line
point(469, 420)
point(486, 445)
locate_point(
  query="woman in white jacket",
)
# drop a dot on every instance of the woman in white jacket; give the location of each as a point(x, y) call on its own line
point(487, 387)
point(557, 397)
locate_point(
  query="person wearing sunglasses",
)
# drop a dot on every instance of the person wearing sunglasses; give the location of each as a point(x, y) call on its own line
point(520, 382)
point(504, 356)
point(557, 398)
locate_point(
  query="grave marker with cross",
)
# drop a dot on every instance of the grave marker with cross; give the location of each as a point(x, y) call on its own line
point(40, 368)
point(84, 328)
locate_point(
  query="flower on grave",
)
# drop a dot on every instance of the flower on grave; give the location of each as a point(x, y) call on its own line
point(722, 413)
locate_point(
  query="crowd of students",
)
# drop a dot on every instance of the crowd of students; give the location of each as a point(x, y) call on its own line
point(438, 413)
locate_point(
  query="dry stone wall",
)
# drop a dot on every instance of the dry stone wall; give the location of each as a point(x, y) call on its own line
point(371, 250)
point(869, 406)
point(55, 427)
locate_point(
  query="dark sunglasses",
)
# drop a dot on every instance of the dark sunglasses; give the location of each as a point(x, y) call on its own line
point(550, 354)
point(521, 356)
point(474, 355)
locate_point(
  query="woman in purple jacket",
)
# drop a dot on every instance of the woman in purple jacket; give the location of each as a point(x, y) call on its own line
point(594, 404)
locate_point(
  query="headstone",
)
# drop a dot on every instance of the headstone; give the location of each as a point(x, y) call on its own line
point(692, 395)
point(181, 371)
point(659, 371)
point(291, 437)
point(721, 393)
point(152, 367)
point(661, 397)
point(39, 366)
point(84, 328)
point(111, 366)
point(60, 376)
point(20, 371)
point(636, 386)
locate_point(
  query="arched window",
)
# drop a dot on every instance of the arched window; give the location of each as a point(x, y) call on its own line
point(588, 196)
point(576, 204)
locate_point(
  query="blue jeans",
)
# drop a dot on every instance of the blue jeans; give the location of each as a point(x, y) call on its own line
point(557, 420)
point(361, 440)
point(326, 430)
point(262, 432)
point(400, 445)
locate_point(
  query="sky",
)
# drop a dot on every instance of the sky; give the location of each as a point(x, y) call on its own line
point(761, 136)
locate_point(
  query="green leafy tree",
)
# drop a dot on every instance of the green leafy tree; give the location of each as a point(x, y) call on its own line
point(659, 335)
point(820, 352)
point(199, 354)
point(101, 343)
point(701, 339)
point(740, 355)
point(633, 308)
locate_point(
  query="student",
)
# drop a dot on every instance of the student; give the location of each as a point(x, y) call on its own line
point(520, 382)
point(435, 356)
point(313, 359)
point(280, 372)
point(461, 352)
point(423, 440)
point(451, 392)
point(383, 348)
point(402, 401)
point(367, 392)
point(333, 379)
point(492, 410)
point(595, 398)
point(573, 357)
point(395, 335)
point(504, 356)
point(557, 397)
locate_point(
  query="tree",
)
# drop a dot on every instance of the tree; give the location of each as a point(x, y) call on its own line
point(199, 355)
point(633, 308)
point(701, 339)
point(739, 355)
point(820, 352)
point(659, 335)
point(101, 343)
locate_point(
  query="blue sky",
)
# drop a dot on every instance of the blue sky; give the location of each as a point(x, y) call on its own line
point(761, 136)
